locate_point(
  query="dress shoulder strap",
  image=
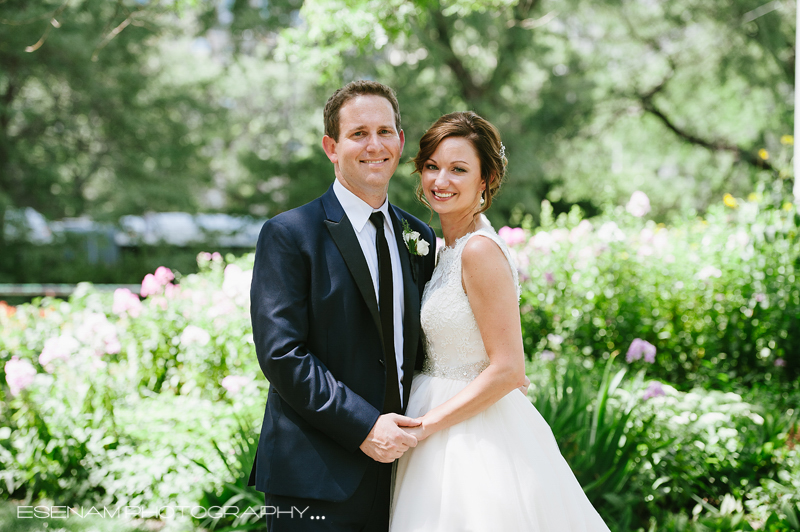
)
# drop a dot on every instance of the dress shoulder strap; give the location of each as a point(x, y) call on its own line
point(491, 234)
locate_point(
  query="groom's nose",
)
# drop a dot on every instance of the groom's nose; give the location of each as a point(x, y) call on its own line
point(374, 142)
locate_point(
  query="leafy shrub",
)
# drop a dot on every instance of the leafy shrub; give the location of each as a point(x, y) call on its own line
point(113, 400)
point(719, 297)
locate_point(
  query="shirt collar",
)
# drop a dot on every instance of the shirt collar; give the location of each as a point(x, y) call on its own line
point(357, 210)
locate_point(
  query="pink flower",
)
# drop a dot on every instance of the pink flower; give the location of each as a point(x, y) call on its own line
point(112, 345)
point(150, 285)
point(779, 362)
point(171, 291)
point(549, 278)
point(234, 383)
point(126, 301)
point(19, 374)
point(59, 347)
point(216, 257)
point(164, 275)
point(641, 347)
point(161, 301)
point(654, 389)
point(639, 204)
point(511, 236)
point(760, 297)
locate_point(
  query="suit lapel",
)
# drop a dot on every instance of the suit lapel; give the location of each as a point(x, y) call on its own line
point(344, 236)
point(412, 305)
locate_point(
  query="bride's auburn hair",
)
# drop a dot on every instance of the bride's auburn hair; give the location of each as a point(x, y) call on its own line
point(483, 136)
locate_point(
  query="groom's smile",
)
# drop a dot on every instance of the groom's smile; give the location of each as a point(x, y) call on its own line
point(368, 149)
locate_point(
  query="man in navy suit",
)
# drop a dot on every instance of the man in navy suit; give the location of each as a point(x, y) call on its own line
point(335, 310)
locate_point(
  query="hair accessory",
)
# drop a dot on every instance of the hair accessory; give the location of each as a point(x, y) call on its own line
point(502, 150)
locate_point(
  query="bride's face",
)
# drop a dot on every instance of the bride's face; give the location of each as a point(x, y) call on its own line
point(451, 178)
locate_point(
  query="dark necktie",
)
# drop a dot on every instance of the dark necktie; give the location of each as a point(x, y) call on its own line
point(391, 402)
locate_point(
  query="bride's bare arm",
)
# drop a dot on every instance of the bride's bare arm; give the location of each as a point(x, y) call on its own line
point(489, 284)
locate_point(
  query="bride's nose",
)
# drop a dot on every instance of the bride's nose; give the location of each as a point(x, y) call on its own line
point(442, 179)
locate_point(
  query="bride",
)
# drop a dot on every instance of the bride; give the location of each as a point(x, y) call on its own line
point(486, 459)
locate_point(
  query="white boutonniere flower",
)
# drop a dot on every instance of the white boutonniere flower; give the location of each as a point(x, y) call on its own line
point(415, 244)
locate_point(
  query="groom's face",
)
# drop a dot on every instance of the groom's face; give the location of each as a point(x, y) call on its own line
point(368, 149)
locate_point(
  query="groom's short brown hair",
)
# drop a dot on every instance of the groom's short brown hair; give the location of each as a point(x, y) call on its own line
point(350, 91)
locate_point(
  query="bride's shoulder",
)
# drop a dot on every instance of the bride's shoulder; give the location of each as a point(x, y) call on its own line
point(482, 250)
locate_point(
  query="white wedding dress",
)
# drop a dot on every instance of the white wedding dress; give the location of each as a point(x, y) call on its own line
point(498, 471)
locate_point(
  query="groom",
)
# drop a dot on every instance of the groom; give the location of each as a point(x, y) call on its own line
point(335, 304)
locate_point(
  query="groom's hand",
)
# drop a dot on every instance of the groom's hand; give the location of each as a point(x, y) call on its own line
point(387, 442)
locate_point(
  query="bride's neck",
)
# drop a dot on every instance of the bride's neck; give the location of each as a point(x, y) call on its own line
point(454, 228)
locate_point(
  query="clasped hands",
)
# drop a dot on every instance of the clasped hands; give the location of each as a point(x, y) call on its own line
point(393, 434)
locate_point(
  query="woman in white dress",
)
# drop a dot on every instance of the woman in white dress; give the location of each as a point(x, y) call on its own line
point(486, 459)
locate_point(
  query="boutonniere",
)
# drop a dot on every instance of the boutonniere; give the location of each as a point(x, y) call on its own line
point(415, 244)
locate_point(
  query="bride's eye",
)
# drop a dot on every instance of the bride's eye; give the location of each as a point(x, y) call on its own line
point(431, 167)
point(458, 169)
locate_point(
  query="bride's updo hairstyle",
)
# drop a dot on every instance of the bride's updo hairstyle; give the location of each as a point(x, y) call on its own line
point(484, 138)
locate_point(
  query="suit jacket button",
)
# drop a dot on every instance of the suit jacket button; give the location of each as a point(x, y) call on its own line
point(382, 362)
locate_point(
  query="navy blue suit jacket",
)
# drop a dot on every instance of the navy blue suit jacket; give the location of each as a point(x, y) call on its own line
point(317, 334)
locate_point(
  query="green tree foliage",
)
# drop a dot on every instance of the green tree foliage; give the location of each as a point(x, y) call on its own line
point(89, 122)
point(594, 100)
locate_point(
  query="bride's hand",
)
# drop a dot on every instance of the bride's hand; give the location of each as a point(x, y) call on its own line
point(524, 387)
point(420, 432)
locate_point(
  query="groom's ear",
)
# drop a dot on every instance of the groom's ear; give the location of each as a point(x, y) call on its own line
point(402, 140)
point(329, 145)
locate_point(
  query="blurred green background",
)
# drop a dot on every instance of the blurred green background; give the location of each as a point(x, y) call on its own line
point(110, 108)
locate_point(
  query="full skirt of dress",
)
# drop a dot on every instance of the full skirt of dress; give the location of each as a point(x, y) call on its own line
point(500, 470)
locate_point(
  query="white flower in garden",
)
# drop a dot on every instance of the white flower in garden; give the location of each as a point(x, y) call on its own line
point(739, 240)
point(60, 347)
point(193, 334)
point(639, 204)
point(548, 355)
point(126, 301)
point(98, 333)
point(641, 348)
point(580, 231)
point(542, 241)
point(610, 232)
point(707, 272)
point(234, 383)
point(236, 284)
point(19, 374)
point(556, 339)
point(661, 240)
point(560, 234)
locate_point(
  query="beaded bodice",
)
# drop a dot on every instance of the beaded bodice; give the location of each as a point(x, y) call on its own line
point(453, 344)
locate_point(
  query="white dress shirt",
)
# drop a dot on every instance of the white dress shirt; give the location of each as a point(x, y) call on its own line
point(358, 212)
